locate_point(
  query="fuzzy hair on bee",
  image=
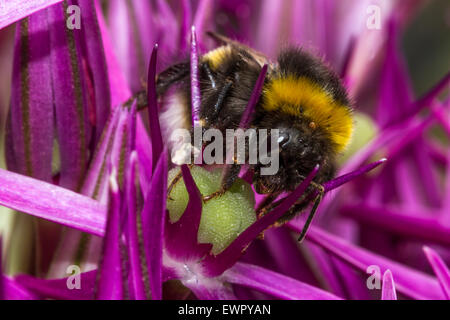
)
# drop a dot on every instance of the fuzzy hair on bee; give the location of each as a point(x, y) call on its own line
point(301, 97)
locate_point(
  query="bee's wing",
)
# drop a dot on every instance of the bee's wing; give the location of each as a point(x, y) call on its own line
point(260, 58)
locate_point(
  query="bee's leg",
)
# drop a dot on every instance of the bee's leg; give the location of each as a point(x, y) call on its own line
point(174, 74)
point(267, 204)
point(210, 75)
point(141, 100)
point(321, 192)
point(221, 97)
point(297, 207)
point(230, 175)
point(301, 204)
point(175, 181)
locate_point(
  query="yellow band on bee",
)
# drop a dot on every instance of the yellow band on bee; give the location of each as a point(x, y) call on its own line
point(217, 56)
point(301, 97)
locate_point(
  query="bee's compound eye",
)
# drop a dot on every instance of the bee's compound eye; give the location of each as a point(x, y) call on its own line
point(283, 139)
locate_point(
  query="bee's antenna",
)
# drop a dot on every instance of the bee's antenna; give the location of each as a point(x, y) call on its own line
point(311, 214)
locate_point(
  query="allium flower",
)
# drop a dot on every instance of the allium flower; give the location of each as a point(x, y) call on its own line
point(89, 169)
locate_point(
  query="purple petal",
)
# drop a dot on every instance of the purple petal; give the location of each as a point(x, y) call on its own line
point(442, 117)
point(96, 177)
point(417, 225)
point(325, 269)
point(31, 112)
point(388, 290)
point(155, 128)
point(343, 179)
point(181, 239)
point(395, 92)
point(269, 27)
point(185, 23)
point(428, 97)
point(16, 291)
point(70, 98)
point(132, 24)
point(333, 184)
point(410, 282)
point(288, 260)
point(204, 9)
point(52, 203)
point(215, 291)
point(167, 25)
point(195, 85)
point(15, 10)
point(440, 269)
point(119, 90)
point(120, 93)
point(215, 265)
point(354, 284)
point(110, 286)
point(58, 288)
point(96, 59)
point(137, 287)
point(273, 283)
point(2, 282)
point(153, 215)
point(246, 116)
point(120, 150)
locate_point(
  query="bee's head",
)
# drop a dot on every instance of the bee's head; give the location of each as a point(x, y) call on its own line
point(301, 146)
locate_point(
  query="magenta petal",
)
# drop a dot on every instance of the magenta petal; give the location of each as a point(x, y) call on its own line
point(440, 269)
point(181, 237)
point(354, 284)
point(336, 182)
point(96, 59)
point(137, 288)
point(26, 285)
point(52, 203)
point(410, 282)
point(16, 291)
point(203, 11)
point(388, 290)
point(246, 116)
point(58, 288)
point(14, 10)
point(195, 84)
point(215, 265)
point(119, 90)
point(134, 30)
point(2, 281)
point(185, 23)
point(153, 215)
point(70, 98)
point(96, 176)
point(110, 286)
point(269, 27)
point(155, 128)
point(214, 291)
point(167, 25)
point(428, 98)
point(395, 91)
point(273, 283)
point(31, 113)
point(416, 225)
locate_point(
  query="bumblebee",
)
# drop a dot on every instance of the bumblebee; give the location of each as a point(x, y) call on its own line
point(301, 97)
